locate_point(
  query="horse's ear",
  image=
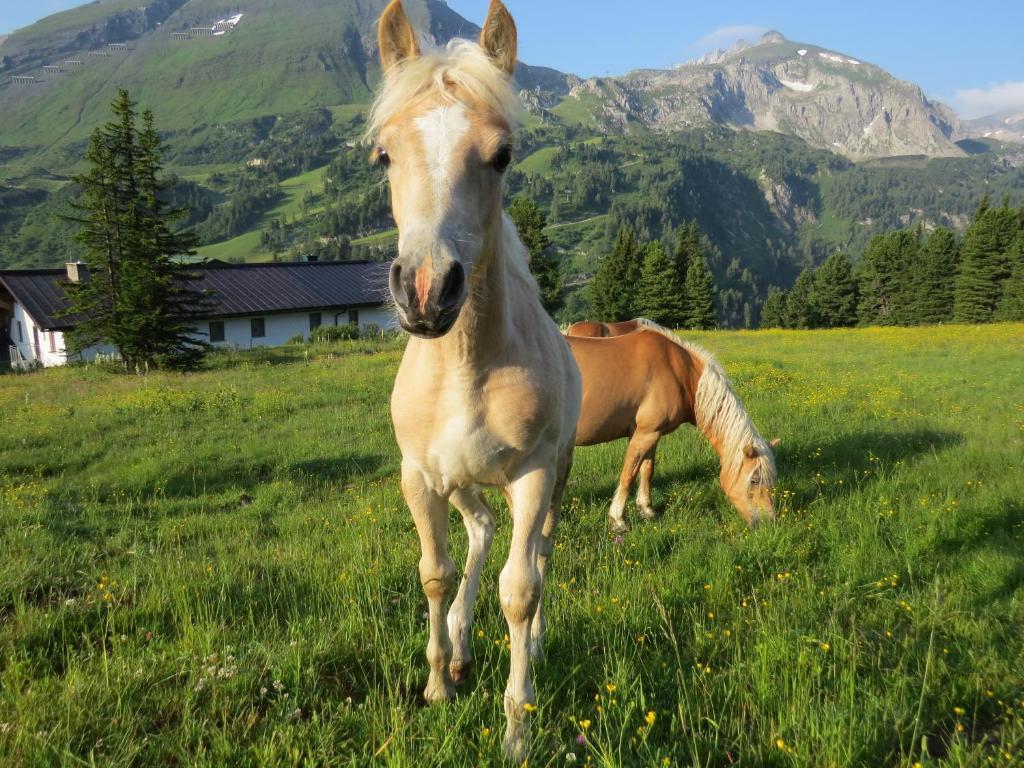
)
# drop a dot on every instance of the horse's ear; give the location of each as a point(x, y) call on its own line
point(750, 451)
point(774, 443)
point(395, 36)
point(498, 38)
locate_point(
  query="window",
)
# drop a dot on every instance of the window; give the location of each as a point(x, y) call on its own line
point(353, 317)
point(216, 331)
point(21, 333)
point(53, 341)
point(258, 326)
point(315, 321)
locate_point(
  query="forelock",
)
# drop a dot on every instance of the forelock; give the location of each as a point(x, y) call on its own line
point(461, 67)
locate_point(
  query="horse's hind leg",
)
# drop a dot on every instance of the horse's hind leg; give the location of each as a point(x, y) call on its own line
point(478, 518)
point(639, 445)
point(547, 546)
point(643, 493)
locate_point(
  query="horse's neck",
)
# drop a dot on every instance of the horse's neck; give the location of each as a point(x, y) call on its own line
point(481, 331)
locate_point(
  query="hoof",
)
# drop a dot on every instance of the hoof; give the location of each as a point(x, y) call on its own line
point(617, 525)
point(515, 746)
point(460, 671)
point(435, 693)
point(647, 513)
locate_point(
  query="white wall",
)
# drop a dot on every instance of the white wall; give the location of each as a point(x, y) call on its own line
point(279, 329)
point(237, 332)
point(26, 344)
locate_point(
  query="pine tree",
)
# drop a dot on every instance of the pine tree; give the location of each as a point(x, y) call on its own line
point(800, 309)
point(612, 289)
point(835, 293)
point(883, 280)
point(688, 249)
point(773, 312)
point(135, 298)
point(934, 278)
point(659, 296)
point(1011, 305)
point(700, 295)
point(530, 221)
point(984, 263)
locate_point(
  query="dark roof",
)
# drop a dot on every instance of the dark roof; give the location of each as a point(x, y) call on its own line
point(232, 289)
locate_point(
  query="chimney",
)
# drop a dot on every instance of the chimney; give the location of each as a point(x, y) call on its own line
point(77, 271)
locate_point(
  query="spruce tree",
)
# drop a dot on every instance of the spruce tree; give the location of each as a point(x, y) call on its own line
point(835, 293)
point(612, 289)
point(883, 279)
point(1011, 304)
point(934, 278)
point(773, 312)
point(984, 263)
point(700, 295)
point(135, 298)
point(800, 309)
point(531, 223)
point(659, 296)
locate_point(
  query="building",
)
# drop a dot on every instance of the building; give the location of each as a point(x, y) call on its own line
point(248, 305)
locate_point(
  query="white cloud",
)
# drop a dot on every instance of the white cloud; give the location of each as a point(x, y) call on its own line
point(723, 37)
point(998, 97)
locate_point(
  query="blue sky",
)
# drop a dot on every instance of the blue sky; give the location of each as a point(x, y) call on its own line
point(969, 55)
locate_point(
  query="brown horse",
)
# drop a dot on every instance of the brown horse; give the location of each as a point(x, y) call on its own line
point(643, 385)
point(487, 393)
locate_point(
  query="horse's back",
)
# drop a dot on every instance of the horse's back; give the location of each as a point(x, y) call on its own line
point(632, 380)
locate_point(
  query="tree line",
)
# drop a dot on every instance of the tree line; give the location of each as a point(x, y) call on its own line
point(909, 277)
point(641, 279)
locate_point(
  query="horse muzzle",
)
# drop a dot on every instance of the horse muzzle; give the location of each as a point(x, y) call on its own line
point(429, 298)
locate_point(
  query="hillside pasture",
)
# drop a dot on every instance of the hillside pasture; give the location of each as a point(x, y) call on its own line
point(218, 569)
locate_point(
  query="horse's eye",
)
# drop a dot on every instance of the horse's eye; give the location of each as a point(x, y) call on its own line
point(502, 160)
point(381, 157)
point(755, 479)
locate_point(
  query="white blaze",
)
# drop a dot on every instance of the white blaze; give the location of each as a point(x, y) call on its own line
point(442, 130)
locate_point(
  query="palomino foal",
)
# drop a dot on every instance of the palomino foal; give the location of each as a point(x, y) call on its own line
point(487, 392)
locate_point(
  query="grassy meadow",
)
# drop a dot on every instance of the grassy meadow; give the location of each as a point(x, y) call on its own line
point(217, 569)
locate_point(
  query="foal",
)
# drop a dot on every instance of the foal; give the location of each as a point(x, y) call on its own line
point(487, 392)
point(646, 383)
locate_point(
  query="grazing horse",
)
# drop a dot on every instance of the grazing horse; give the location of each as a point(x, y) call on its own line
point(487, 393)
point(643, 385)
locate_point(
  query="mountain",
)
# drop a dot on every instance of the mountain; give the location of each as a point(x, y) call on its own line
point(1004, 126)
point(828, 99)
point(276, 58)
point(782, 152)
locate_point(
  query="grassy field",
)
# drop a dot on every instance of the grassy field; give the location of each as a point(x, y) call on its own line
point(218, 569)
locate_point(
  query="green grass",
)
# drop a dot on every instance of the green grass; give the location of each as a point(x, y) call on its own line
point(539, 161)
point(218, 569)
point(245, 247)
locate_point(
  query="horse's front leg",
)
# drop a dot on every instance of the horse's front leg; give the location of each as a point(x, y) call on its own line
point(437, 575)
point(639, 444)
point(478, 518)
point(519, 587)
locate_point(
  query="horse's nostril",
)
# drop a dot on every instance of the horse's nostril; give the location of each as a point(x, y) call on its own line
point(395, 284)
point(451, 292)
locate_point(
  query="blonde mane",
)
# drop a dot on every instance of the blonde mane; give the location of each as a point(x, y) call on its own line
point(461, 65)
point(719, 411)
